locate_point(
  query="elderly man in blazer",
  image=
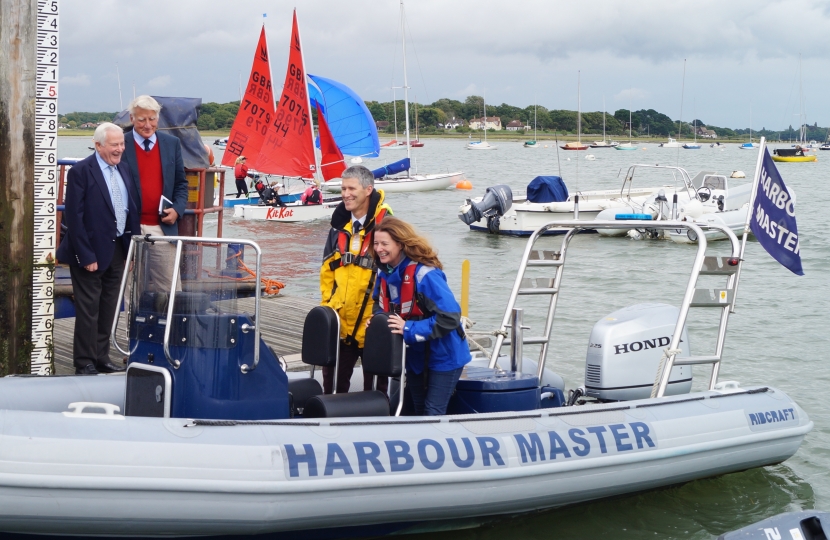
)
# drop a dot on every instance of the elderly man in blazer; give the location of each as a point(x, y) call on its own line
point(102, 213)
point(155, 161)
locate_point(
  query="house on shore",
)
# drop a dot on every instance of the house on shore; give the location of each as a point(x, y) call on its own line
point(491, 122)
point(517, 125)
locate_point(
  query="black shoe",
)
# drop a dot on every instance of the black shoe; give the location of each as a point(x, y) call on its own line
point(109, 367)
point(88, 369)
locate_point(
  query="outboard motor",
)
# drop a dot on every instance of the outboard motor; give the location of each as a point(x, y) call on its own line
point(496, 201)
point(624, 353)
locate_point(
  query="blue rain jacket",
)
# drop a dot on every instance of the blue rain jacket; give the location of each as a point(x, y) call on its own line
point(441, 324)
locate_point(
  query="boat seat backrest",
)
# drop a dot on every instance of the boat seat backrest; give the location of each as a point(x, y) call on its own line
point(321, 337)
point(360, 404)
point(302, 390)
point(382, 350)
point(187, 303)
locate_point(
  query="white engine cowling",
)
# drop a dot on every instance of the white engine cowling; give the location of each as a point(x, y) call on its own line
point(625, 349)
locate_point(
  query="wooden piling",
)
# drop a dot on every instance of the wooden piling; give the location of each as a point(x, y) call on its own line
point(18, 71)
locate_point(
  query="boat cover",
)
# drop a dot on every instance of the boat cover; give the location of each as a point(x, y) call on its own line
point(349, 119)
point(177, 117)
point(544, 189)
point(393, 168)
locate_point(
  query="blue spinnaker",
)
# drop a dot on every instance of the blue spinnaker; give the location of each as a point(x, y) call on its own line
point(544, 189)
point(349, 120)
point(392, 168)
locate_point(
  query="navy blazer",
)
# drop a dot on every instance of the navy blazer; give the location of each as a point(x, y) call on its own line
point(172, 171)
point(90, 217)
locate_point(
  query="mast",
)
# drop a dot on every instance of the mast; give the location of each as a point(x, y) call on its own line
point(484, 103)
point(682, 91)
point(317, 171)
point(535, 132)
point(603, 118)
point(578, 111)
point(395, 113)
point(405, 85)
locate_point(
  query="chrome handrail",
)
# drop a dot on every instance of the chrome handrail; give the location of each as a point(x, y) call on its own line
point(684, 175)
point(180, 241)
point(171, 301)
point(130, 252)
point(579, 226)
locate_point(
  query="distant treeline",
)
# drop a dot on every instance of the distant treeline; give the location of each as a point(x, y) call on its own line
point(433, 118)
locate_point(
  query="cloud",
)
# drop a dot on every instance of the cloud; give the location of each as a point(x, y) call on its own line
point(76, 80)
point(162, 81)
point(630, 94)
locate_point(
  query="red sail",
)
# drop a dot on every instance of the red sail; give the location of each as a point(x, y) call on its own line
point(256, 111)
point(332, 163)
point(288, 149)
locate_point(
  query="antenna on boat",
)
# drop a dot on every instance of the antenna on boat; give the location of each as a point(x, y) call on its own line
point(558, 163)
point(118, 76)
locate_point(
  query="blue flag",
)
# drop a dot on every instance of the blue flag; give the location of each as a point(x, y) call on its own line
point(773, 218)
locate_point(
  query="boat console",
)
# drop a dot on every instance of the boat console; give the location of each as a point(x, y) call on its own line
point(193, 353)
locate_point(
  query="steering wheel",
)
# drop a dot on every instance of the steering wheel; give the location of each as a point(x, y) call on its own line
point(704, 194)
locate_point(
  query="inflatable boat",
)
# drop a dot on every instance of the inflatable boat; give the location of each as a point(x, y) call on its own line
point(207, 434)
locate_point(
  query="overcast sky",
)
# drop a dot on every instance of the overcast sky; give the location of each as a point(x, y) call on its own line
point(740, 54)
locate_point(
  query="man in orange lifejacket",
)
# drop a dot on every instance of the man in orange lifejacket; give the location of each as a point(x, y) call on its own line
point(347, 274)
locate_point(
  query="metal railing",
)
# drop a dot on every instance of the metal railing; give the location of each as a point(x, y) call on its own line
point(693, 297)
point(180, 241)
point(684, 177)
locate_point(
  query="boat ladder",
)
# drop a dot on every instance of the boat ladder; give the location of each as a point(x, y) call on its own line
point(533, 258)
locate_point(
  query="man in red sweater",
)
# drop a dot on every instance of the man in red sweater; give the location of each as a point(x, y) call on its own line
point(155, 161)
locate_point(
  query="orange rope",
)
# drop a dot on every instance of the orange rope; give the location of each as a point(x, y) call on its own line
point(272, 286)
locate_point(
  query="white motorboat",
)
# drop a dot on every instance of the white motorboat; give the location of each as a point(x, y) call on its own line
point(671, 143)
point(198, 438)
point(221, 143)
point(289, 213)
point(413, 182)
point(501, 213)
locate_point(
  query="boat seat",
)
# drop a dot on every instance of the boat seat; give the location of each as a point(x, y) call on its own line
point(320, 346)
point(383, 356)
point(187, 303)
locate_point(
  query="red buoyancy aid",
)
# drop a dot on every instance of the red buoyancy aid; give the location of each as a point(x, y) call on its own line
point(362, 259)
point(409, 305)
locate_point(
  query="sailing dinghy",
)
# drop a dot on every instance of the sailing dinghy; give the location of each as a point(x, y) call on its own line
point(286, 145)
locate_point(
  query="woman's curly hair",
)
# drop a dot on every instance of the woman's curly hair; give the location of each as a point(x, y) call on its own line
point(414, 246)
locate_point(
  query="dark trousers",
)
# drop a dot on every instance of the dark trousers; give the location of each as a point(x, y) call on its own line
point(241, 187)
point(432, 400)
point(348, 358)
point(96, 298)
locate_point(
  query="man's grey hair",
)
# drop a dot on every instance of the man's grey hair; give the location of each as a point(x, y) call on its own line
point(100, 135)
point(144, 102)
point(363, 175)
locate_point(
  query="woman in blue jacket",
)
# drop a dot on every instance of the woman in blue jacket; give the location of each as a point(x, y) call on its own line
point(412, 286)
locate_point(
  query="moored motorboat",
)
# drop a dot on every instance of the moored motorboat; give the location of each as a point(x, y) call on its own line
point(396, 178)
point(480, 145)
point(207, 444)
point(221, 143)
point(574, 146)
point(499, 212)
point(671, 143)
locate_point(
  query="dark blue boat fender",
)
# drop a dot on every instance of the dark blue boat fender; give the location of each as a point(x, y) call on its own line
point(807, 525)
point(485, 390)
point(641, 217)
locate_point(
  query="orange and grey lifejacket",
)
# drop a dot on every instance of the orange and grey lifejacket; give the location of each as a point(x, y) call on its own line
point(408, 303)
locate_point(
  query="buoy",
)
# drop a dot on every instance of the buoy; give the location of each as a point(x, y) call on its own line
point(464, 184)
point(546, 146)
point(590, 157)
point(737, 174)
point(356, 160)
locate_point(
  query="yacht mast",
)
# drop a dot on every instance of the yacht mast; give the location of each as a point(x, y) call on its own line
point(405, 84)
point(603, 118)
point(578, 110)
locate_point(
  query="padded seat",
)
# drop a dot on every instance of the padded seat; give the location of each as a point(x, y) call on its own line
point(356, 404)
point(302, 390)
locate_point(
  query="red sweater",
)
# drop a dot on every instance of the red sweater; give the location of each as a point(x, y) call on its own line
point(152, 182)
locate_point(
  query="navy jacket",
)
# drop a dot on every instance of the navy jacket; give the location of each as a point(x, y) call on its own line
point(90, 217)
point(440, 327)
point(172, 171)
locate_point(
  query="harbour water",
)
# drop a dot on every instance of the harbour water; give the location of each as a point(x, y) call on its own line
point(777, 337)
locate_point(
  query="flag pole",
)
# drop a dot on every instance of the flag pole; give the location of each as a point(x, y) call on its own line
point(755, 180)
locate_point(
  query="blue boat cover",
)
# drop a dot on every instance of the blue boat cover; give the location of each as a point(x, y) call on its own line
point(544, 189)
point(349, 120)
point(392, 168)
